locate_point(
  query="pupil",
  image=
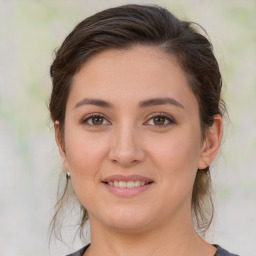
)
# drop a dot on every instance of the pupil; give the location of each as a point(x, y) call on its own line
point(97, 120)
point(159, 120)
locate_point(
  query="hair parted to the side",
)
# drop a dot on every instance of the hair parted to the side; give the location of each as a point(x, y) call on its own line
point(122, 28)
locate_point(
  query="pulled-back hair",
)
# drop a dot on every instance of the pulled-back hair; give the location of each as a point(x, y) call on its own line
point(122, 28)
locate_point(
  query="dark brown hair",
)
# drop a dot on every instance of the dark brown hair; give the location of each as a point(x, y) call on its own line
point(121, 28)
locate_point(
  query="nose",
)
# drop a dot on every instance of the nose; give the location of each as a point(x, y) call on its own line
point(126, 147)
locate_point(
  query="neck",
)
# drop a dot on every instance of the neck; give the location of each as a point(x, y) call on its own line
point(168, 239)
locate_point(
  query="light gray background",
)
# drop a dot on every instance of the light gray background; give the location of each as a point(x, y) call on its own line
point(29, 162)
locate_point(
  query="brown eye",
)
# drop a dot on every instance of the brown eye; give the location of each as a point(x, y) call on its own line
point(159, 120)
point(97, 120)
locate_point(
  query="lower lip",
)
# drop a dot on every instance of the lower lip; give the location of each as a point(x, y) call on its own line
point(127, 191)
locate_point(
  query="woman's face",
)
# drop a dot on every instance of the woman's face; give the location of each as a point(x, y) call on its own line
point(133, 141)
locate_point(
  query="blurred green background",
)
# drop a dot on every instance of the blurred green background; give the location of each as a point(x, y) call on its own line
point(29, 162)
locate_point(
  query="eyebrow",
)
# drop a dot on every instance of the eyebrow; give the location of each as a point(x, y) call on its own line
point(142, 104)
point(96, 102)
point(160, 101)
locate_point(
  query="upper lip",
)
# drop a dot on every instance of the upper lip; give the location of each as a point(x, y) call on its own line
point(119, 177)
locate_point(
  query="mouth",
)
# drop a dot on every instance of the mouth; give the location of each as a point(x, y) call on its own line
point(127, 184)
point(130, 185)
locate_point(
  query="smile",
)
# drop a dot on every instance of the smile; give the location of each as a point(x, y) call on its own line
point(127, 184)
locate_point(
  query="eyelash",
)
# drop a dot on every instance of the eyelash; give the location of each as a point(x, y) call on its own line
point(161, 115)
point(167, 118)
point(87, 118)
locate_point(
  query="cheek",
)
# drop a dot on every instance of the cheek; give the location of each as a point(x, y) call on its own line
point(181, 148)
point(176, 159)
point(85, 153)
point(85, 157)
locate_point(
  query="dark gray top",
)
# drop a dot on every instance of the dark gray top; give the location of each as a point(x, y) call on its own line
point(220, 251)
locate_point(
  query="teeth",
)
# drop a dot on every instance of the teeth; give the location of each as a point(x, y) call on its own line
point(128, 184)
point(122, 184)
point(137, 183)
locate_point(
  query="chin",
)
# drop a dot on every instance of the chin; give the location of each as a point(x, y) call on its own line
point(129, 227)
point(132, 221)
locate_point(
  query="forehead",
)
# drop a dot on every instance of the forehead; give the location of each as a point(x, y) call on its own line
point(131, 74)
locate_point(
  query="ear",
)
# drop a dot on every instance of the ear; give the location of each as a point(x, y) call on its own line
point(61, 145)
point(211, 143)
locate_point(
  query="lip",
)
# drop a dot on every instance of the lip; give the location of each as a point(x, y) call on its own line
point(127, 192)
point(126, 178)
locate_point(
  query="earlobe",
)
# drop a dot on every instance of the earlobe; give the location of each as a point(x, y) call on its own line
point(211, 143)
point(59, 143)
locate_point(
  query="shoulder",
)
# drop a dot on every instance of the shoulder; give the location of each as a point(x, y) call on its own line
point(222, 252)
point(80, 252)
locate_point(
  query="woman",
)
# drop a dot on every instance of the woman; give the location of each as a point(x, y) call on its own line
point(137, 111)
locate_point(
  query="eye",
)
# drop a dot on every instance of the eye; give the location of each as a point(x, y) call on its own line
point(95, 120)
point(160, 120)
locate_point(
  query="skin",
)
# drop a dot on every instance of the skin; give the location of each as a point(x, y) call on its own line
point(131, 140)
